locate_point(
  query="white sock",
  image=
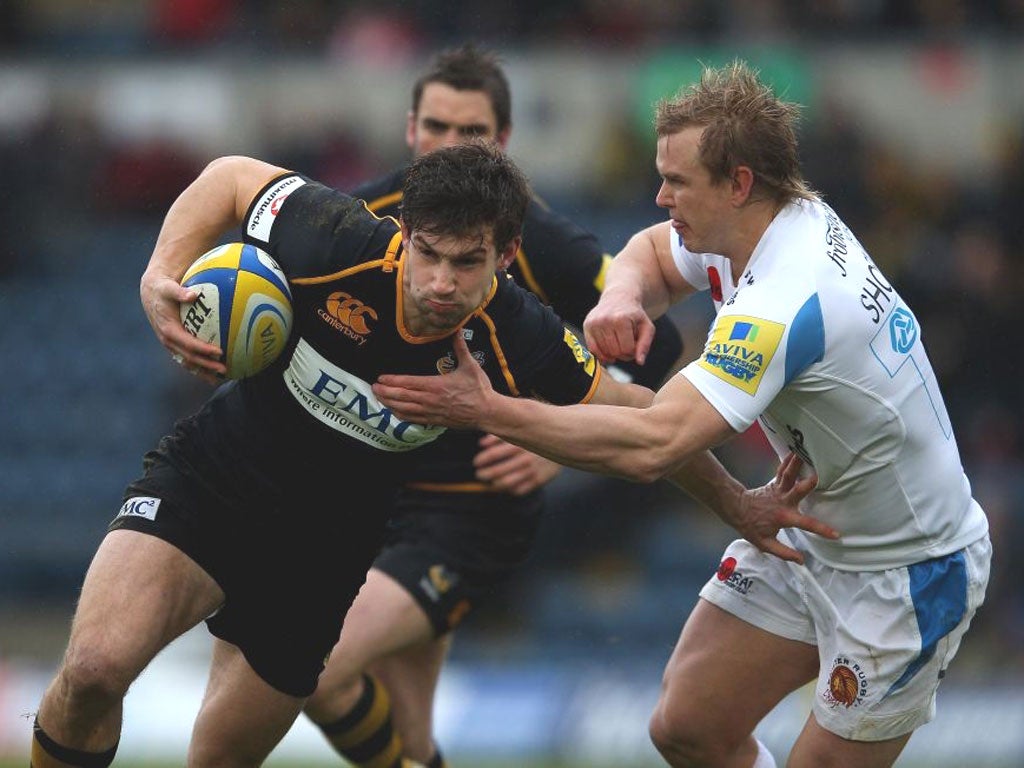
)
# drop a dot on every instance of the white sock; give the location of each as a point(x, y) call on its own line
point(764, 758)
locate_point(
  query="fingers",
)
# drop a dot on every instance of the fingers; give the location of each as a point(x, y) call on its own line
point(644, 338)
point(788, 471)
point(462, 353)
point(813, 525)
point(780, 550)
point(496, 452)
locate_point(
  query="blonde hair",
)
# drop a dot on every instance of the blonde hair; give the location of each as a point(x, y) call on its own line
point(744, 124)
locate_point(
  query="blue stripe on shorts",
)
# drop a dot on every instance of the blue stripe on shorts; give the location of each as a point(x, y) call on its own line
point(939, 590)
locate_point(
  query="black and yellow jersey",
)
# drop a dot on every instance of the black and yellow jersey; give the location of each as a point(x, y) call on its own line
point(313, 409)
point(563, 265)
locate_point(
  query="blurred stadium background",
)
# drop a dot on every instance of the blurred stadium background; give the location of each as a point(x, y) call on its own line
point(913, 129)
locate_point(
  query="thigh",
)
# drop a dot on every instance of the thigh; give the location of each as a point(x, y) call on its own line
point(384, 619)
point(726, 674)
point(139, 594)
point(818, 748)
point(242, 718)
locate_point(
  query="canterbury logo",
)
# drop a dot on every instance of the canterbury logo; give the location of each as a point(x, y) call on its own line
point(348, 315)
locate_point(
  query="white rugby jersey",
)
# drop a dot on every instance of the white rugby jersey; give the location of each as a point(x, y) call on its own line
point(818, 346)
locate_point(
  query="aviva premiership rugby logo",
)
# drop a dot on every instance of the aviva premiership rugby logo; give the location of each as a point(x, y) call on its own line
point(740, 349)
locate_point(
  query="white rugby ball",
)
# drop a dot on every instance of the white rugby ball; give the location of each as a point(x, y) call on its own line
point(244, 306)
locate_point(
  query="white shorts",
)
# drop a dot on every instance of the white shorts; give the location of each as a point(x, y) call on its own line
point(884, 638)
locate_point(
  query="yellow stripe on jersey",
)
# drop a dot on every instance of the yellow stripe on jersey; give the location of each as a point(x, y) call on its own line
point(499, 354)
point(383, 202)
point(606, 261)
point(531, 281)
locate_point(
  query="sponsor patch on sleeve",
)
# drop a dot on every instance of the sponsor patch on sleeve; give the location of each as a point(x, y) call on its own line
point(261, 219)
point(740, 349)
point(580, 352)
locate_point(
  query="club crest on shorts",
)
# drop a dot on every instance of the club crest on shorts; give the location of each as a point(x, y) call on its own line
point(847, 684)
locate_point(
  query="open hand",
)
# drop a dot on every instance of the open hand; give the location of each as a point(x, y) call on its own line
point(764, 511)
point(457, 399)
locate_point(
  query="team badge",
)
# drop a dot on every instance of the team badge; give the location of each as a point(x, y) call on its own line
point(740, 348)
point(447, 364)
point(847, 684)
point(437, 581)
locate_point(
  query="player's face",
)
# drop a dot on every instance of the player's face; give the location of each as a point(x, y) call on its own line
point(702, 211)
point(445, 278)
point(447, 117)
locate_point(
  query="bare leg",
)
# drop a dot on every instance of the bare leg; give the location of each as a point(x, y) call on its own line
point(383, 620)
point(242, 718)
point(139, 594)
point(818, 748)
point(411, 676)
point(723, 677)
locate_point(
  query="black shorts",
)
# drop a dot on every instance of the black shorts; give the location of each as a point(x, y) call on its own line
point(449, 550)
point(289, 574)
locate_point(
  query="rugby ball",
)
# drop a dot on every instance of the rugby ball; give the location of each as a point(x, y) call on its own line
point(244, 306)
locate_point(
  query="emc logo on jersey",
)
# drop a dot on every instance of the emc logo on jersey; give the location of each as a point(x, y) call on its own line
point(348, 315)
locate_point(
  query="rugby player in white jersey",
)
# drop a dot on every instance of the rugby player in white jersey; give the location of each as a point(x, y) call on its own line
point(812, 341)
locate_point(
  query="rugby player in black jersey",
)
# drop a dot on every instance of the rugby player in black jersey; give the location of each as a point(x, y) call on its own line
point(471, 508)
point(262, 512)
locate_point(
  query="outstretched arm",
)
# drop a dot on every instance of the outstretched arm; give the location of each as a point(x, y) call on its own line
point(210, 206)
point(668, 439)
point(636, 442)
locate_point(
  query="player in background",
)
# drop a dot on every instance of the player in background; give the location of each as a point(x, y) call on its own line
point(812, 340)
point(471, 510)
point(262, 512)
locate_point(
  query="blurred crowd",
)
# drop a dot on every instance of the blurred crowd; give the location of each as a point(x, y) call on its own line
point(389, 30)
point(954, 249)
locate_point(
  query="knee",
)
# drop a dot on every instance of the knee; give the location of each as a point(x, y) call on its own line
point(89, 674)
point(333, 698)
point(679, 740)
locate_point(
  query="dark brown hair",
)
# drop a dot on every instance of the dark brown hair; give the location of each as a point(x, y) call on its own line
point(463, 189)
point(468, 68)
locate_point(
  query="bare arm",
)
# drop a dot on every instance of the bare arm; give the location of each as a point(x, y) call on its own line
point(670, 438)
point(642, 282)
point(637, 442)
point(210, 206)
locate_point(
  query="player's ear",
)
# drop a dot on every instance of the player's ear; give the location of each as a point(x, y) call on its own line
point(502, 137)
point(506, 257)
point(742, 184)
point(410, 130)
